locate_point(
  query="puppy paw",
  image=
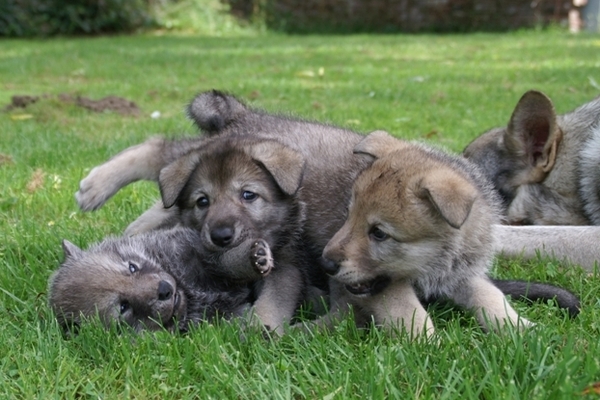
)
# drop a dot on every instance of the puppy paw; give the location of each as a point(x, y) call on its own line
point(261, 257)
point(96, 188)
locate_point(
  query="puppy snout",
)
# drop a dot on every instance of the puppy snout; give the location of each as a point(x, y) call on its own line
point(222, 236)
point(165, 290)
point(329, 266)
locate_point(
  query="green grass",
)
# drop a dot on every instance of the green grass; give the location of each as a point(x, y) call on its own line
point(443, 89)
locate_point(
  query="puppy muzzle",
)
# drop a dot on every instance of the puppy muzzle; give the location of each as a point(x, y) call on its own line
point(369, 288)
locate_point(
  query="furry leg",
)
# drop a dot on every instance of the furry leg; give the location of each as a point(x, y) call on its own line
point(399, 308)
point(490, 306)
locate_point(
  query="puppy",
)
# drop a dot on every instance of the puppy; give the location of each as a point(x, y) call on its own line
point(316, 175)
point(419, 226)
point(235, 191)
point(545, 166)
point(156, 280)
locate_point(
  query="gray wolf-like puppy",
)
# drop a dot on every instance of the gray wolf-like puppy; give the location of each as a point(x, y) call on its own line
point(155, 280)
point(320, 182)
point(419, 227)
point(234, 190)
point(545, 166)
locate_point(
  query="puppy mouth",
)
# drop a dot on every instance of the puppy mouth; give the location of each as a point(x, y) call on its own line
point(176, 302)
point(178, 306)
point(369, 288)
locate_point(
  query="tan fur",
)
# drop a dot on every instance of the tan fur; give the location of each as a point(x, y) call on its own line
point(418, 218)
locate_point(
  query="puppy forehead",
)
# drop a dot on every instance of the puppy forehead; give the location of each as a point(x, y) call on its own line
point(392, 176)
point(386, 193)
point(228, 168)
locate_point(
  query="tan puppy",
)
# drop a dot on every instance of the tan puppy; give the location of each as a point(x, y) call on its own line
point(419, 226)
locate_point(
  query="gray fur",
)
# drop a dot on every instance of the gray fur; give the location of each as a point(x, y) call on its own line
point(571, 245)
point(329, 171)
point(208, 188)
point(564, 192)
point(156, 280)
point(542, 185)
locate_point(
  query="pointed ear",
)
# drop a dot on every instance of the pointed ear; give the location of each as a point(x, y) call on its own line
point(284, 164)
point(378, 144)
point(174, 176)
point(450, 194)
point(533, 131)
point(71, 250)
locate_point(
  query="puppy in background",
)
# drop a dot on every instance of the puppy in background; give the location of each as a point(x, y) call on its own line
point(545, 166)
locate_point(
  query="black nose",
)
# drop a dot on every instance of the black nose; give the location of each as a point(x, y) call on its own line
point(329, 266)
point(165, 290)
point(222, 236)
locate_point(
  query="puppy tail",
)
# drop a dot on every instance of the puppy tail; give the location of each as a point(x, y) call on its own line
point(534, 291)
point(213, 110)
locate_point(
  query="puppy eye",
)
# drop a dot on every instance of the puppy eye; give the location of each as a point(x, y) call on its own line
point(124, 306)
point(202, 202)
point(249, 196)
point(378, 234)
point(133, 268)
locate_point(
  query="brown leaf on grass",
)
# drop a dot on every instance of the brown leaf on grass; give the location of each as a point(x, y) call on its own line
point(5, 159)
point(255, 94)
point(594, 388)
point(36, 181)
point(431, 134)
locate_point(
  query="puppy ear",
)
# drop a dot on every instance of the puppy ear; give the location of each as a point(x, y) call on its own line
point(174, 176)
point(533, 132)
point(378, 144)
point(284, 164)
point(450, 194)
point(71, 250)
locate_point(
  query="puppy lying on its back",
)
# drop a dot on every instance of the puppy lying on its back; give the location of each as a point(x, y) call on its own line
point(156, 280)
point(420, 227)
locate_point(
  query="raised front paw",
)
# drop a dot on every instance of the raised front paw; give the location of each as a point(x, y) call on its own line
point(101, 183)
point(261, 257)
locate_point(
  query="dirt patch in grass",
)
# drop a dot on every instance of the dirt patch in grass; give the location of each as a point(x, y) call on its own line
point(5, 159)
point(109, 103)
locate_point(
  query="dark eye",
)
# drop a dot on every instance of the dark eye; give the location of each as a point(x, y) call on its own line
point(202, 202)
point(133, 268)
point(378, 234)
point(248, 195)
point(124, 307)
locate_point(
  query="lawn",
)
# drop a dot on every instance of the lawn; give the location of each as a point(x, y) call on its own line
point(441, 89)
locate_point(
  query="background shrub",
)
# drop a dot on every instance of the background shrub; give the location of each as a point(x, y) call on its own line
point(24, 18)
point(347, 16)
